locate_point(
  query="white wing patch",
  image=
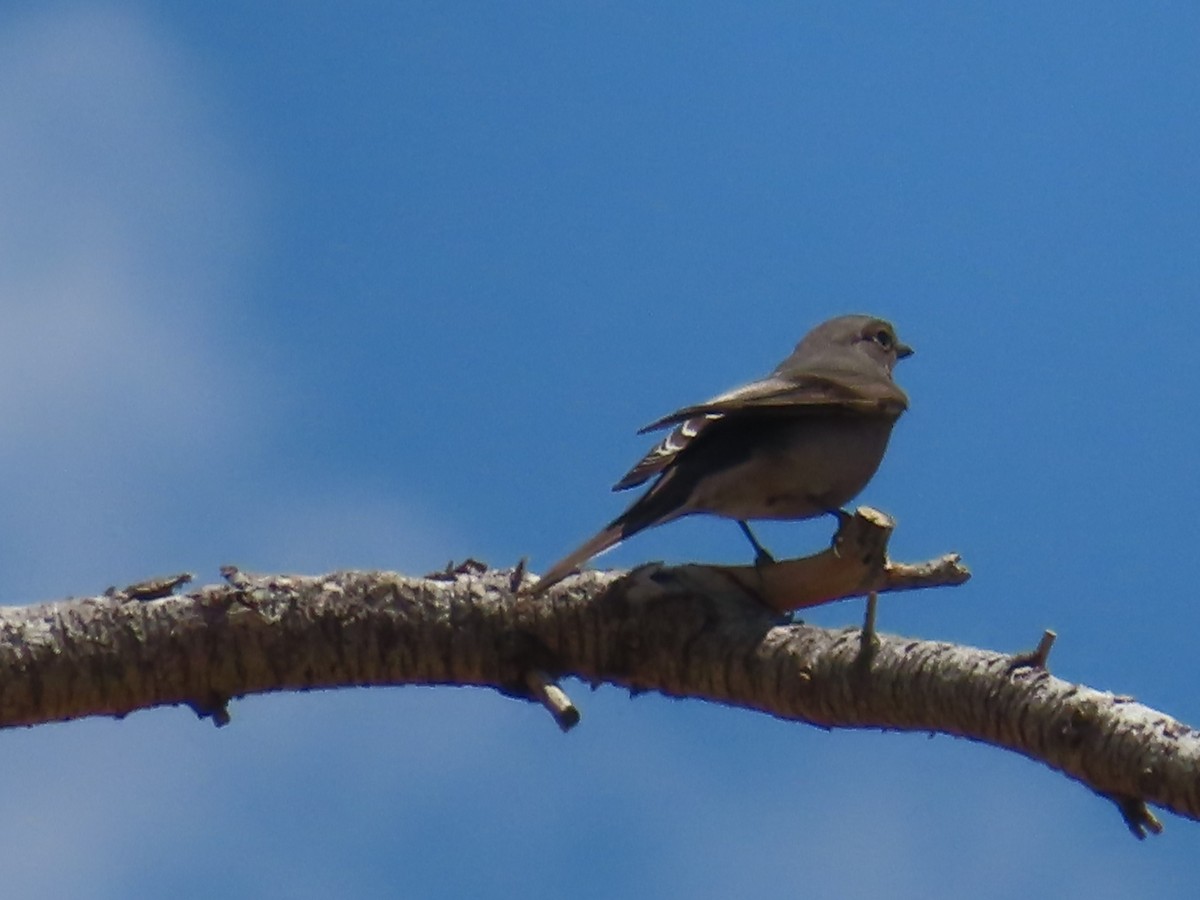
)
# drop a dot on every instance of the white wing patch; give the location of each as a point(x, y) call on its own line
point(665, 451)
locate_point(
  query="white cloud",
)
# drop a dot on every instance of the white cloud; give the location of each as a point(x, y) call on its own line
point(118, 209)
point(124, 220)
point(125, 394)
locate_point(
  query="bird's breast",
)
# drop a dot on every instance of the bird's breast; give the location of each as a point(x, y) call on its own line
point(792, 468)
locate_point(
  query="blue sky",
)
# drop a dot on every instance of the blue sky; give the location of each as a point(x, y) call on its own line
point(302, 287)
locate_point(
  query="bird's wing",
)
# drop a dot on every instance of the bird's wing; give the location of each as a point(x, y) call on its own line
point(794, 393)
point(665, 451)
point(848, 391)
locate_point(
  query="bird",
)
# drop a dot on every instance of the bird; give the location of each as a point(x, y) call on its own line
point(799, 443)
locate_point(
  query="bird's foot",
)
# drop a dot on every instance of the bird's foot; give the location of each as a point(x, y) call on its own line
point(762, 556)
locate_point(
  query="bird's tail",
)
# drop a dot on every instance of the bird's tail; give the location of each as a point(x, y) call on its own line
point(613, 534)
point(664, 502)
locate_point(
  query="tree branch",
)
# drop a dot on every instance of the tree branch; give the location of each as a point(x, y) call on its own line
point(855, 564)
point(685, 632)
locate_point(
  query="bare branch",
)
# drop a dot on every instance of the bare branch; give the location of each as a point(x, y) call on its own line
point(686, 632)
point(554, 698)
point(854, 566)
point(1036, 658)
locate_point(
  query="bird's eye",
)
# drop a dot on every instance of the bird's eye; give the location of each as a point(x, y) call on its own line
point(884, 339)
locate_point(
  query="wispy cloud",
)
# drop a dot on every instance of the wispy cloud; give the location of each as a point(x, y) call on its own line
point(124, 222)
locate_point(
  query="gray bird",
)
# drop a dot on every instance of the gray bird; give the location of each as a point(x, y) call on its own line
point(797, 444)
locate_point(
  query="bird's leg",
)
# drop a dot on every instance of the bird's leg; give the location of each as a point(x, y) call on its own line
point(762, 556)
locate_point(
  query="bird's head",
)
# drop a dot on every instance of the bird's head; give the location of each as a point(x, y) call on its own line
point(874, 337)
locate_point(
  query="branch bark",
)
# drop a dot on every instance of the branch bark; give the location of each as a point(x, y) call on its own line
point(686, 632)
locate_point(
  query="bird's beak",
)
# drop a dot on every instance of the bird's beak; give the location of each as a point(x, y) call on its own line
point(903, 350)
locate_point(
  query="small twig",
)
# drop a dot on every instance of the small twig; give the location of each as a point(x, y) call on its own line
point(216, 708)
point(518, 576)
point(469, 566)
point(869, 640)
point(151, 588)
point(543, 689)
point(1037, 658)
point(1138, 817)
point(235, 577)
point(945, 571)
